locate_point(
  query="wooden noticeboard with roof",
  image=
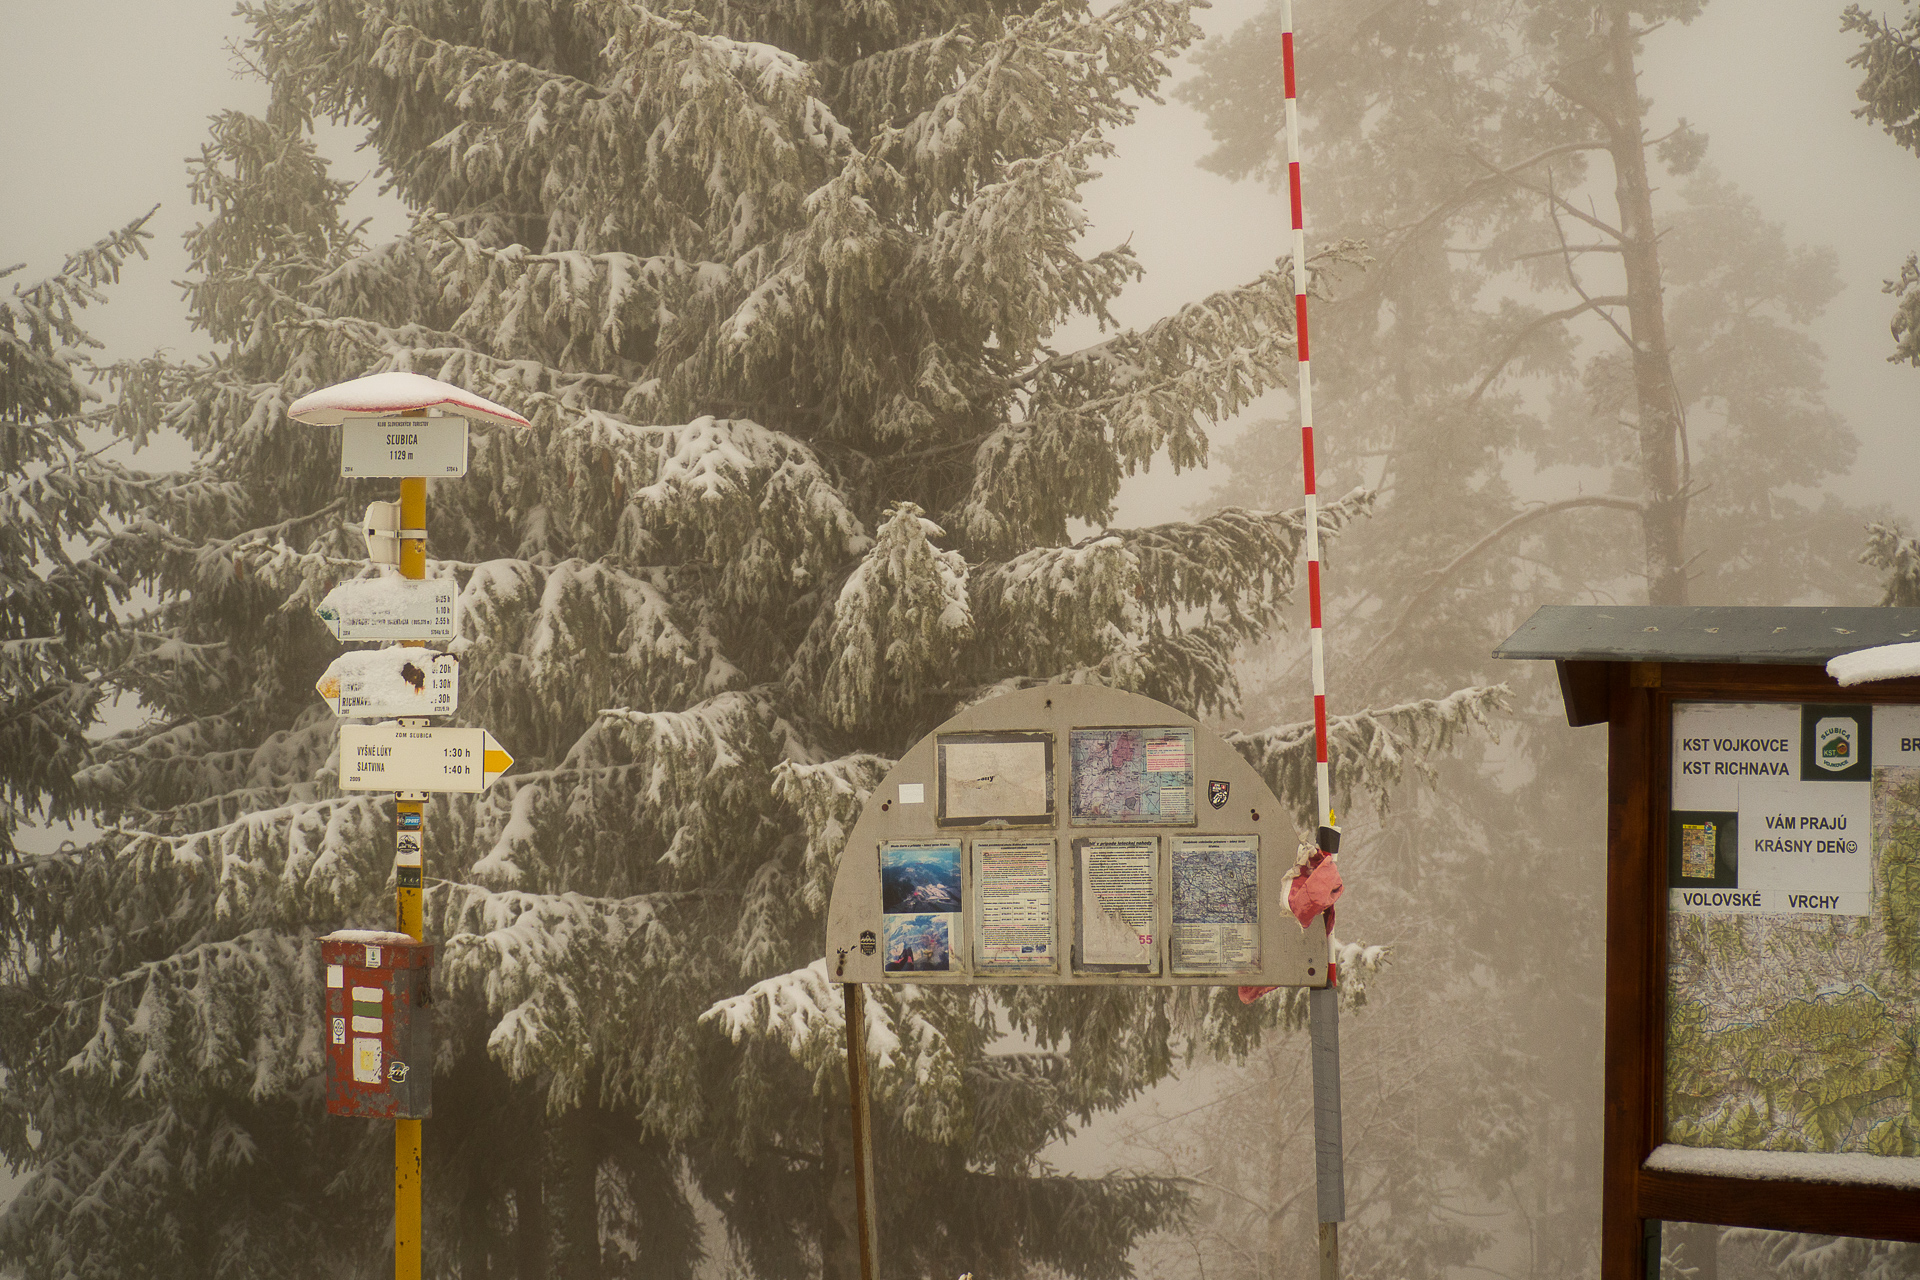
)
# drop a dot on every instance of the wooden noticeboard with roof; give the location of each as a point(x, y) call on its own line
point(1763, 918)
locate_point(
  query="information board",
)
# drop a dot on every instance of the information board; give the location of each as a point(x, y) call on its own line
point(1793, 872)
point(981, 857)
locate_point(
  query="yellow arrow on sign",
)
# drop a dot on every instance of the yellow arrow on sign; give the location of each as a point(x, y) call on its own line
point(497, 761)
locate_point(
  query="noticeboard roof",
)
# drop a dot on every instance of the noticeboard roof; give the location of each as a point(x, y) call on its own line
point(1706, 633)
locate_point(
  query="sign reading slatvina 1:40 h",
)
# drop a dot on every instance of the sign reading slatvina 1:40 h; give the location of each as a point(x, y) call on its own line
point(398, 757)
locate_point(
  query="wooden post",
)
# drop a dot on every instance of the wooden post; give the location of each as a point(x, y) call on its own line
point(1633, 998)
point(858, 1103)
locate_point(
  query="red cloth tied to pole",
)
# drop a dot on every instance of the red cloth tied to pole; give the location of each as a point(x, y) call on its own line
point(1313, 891)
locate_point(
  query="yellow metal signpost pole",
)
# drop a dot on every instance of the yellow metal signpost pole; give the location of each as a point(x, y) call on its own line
point(409, 819)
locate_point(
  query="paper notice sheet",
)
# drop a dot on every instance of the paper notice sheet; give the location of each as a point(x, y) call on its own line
point(1216, 904)
point(1013, 897)
point(1115, 886)
point(986, 777)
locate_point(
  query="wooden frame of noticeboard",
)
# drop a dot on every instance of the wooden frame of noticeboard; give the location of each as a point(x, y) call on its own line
point(1636, 700)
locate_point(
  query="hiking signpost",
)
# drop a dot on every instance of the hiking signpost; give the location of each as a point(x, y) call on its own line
point(1071, 835)
point(411, 428)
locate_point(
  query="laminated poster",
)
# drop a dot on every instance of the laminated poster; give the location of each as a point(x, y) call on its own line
point(996, 777)
point(1216, 904)
point(1131, 775)
point(1793, 874)
point(1115, 889)
point(1771, 809)
point(1013, 905)
point(920, 905)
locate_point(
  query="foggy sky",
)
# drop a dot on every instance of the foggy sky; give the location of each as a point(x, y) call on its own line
point(114, 95)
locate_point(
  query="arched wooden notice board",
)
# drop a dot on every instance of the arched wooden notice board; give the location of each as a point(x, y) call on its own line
point(1071, 835)
point(1763, 905)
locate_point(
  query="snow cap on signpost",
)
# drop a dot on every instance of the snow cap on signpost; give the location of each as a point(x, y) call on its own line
point(378, 438)
point(396, 392)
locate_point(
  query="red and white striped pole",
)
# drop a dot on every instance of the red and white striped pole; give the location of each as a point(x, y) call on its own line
point(1323, 1002)
point(1323, 788)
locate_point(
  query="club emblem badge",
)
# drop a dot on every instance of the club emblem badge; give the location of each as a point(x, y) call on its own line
point(1835, 739)
point(1217, 790)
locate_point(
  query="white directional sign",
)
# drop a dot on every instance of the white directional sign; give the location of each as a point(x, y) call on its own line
point(403, 447)
point(394, 757)
point(391, 609)
point(406, 680)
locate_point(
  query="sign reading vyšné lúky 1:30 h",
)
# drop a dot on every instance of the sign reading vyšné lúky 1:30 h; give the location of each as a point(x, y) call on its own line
point(399, 757)
point(1772, 804)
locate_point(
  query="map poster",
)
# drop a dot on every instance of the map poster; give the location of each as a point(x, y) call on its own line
point(995, 777)
point(1792, 992)
point(1013, 905)
point(1216, 904)
point(1770, 808)
point(920, 901)
point(1116, 887)
point(1131, 775)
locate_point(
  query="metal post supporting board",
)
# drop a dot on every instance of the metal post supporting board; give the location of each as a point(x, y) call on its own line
point(1330, 1184)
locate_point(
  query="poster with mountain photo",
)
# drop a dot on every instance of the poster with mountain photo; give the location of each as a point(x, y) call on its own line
point(920, 898)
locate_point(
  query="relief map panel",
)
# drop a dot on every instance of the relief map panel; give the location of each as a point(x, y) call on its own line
point(1793, 933)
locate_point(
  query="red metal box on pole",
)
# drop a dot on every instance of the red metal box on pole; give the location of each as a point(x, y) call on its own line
point(379, 1032)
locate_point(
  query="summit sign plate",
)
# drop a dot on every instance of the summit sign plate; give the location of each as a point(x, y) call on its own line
point(401, 447)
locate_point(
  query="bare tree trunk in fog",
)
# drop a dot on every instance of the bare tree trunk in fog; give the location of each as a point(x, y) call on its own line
point(529, 1216)
point(476, 1234)
point(840, 1234)
point(1606, 86)
point(579, 1193)
point(1664, 520)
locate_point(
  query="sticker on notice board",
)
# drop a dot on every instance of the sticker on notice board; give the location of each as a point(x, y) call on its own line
point(1772, 809)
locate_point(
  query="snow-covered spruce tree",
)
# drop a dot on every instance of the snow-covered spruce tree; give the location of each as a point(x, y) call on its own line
point(56, 597)
point(1889, 60)
point(1897, 557)
point(774, 284)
